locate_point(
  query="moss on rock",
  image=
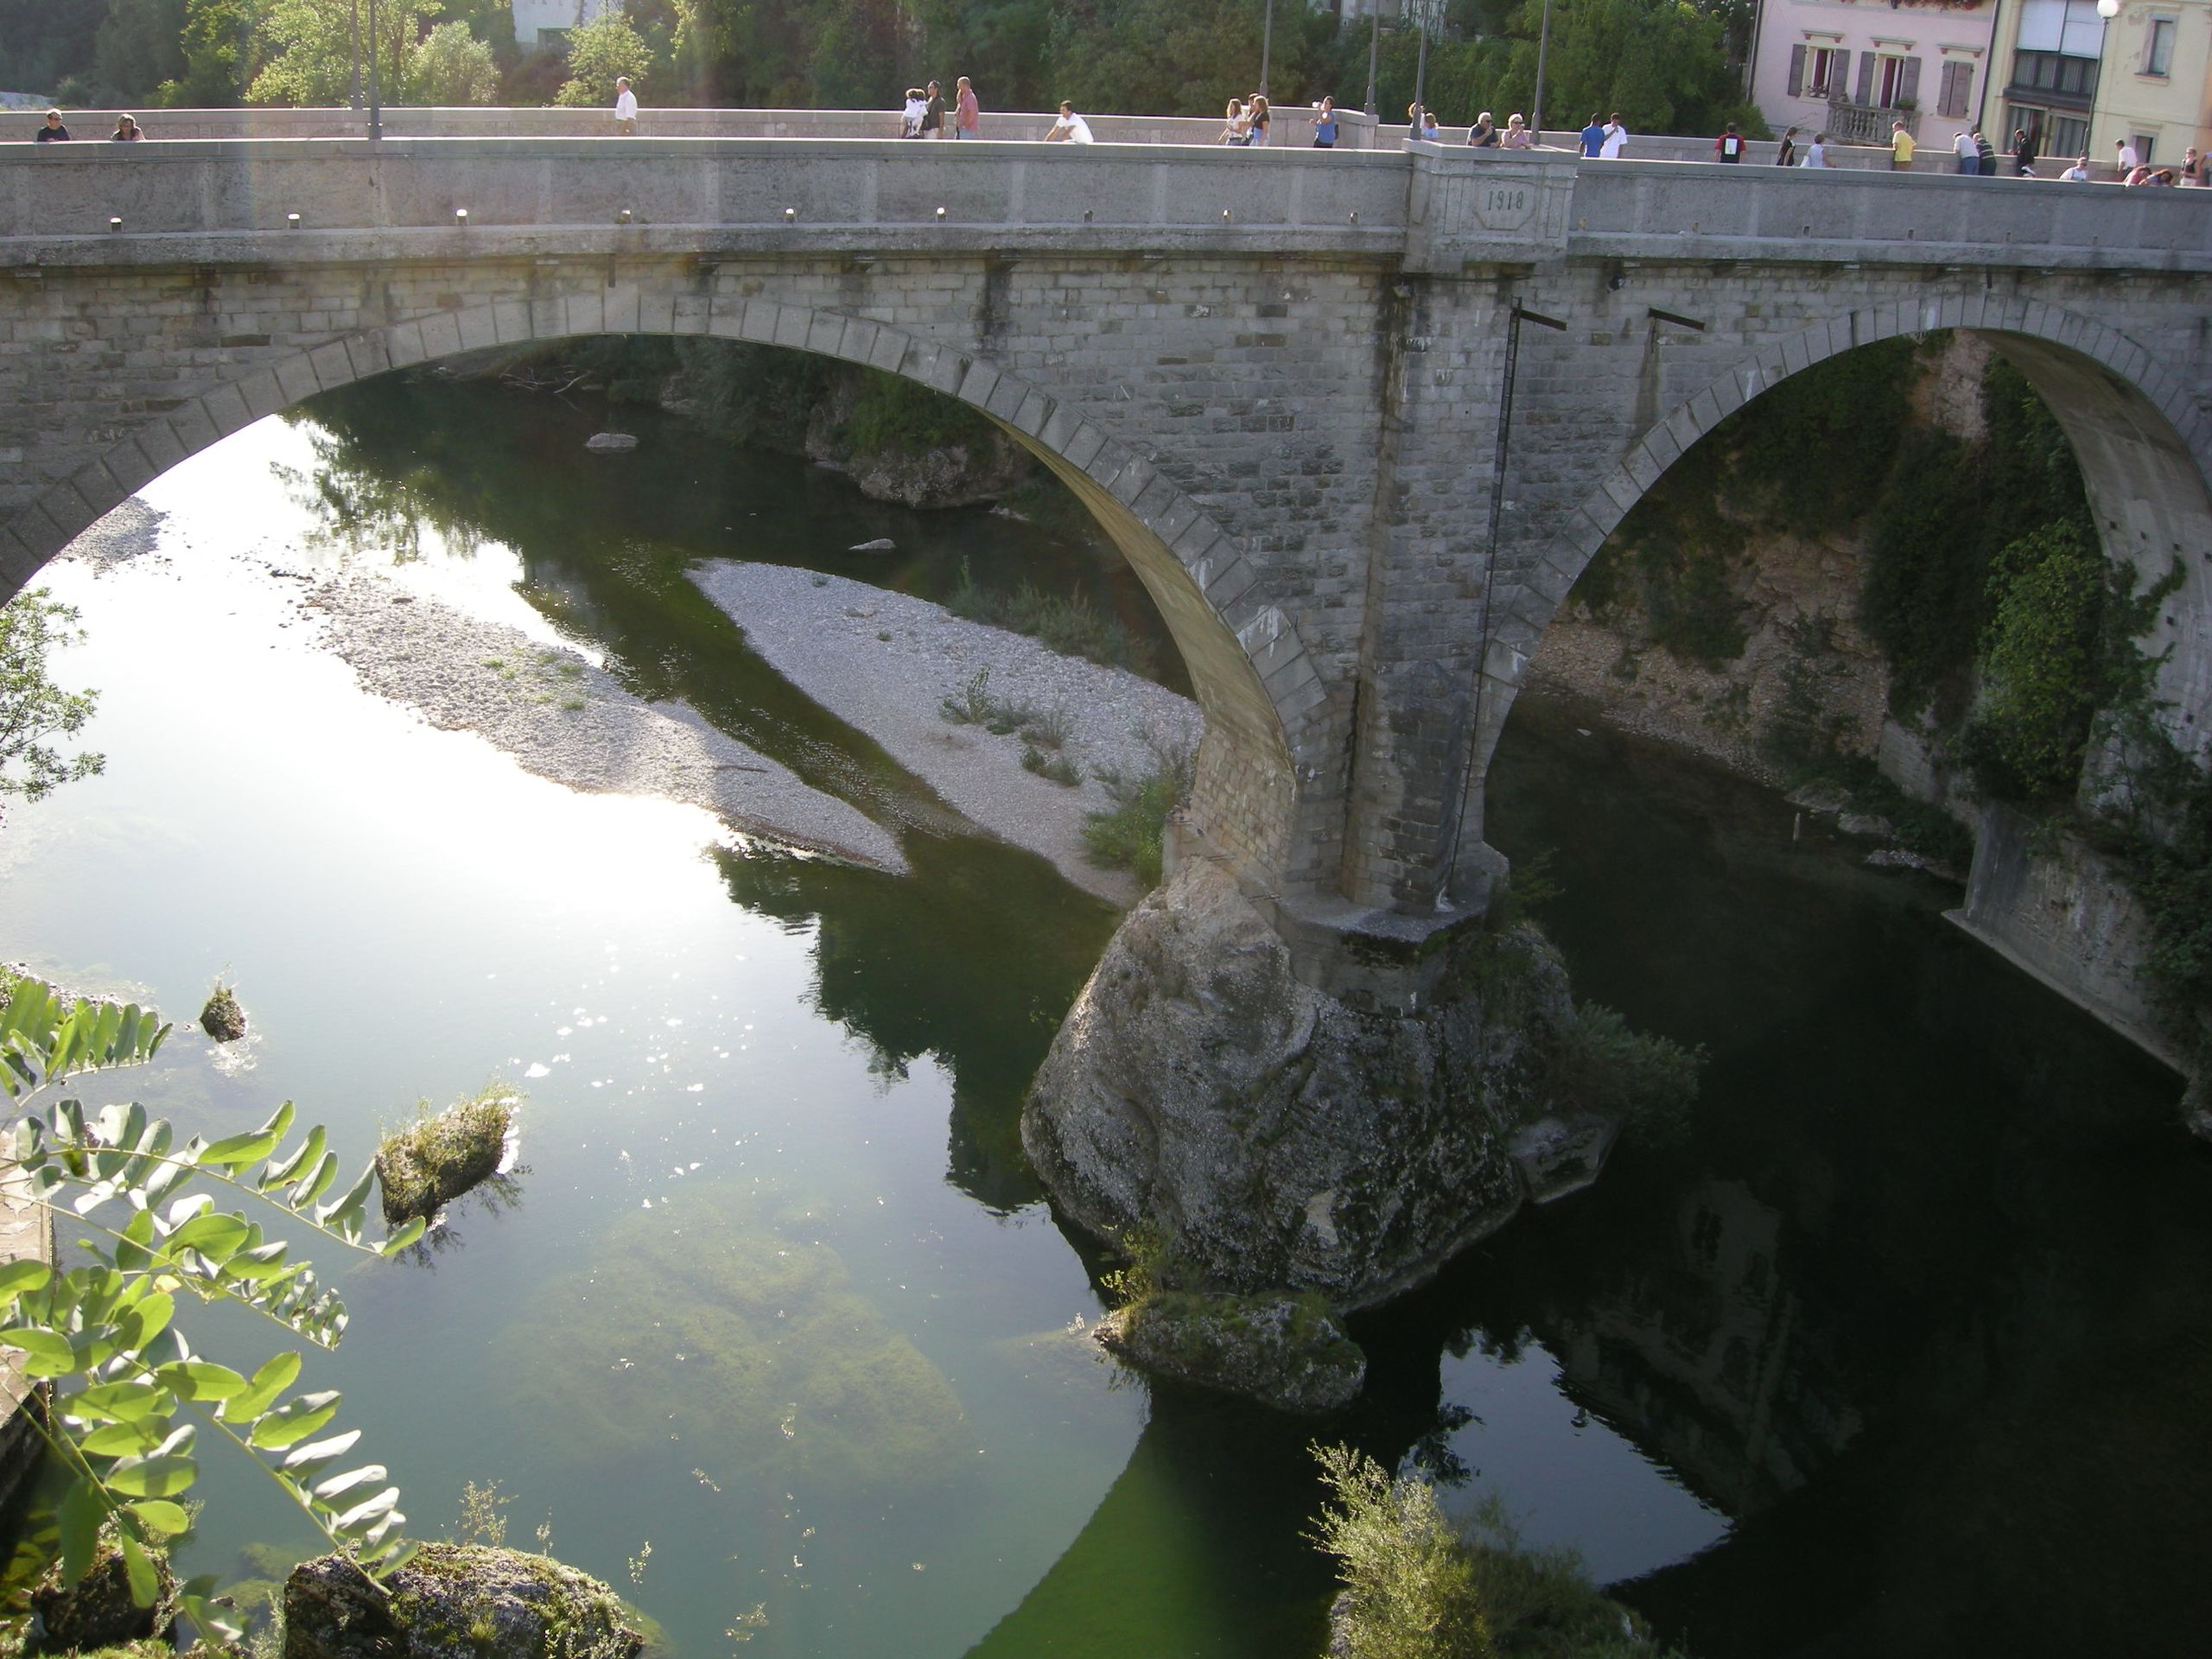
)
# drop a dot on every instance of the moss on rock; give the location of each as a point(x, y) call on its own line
point(222, 1018)
point(425, 1167)
point(1285, 1351)
point(96, 1611)
point(454, 1601)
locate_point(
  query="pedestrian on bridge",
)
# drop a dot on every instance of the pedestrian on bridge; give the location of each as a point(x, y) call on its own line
point(2024, 153)
point(1985, 155)
point(1785, 154)
point(1729, 146)
point(1816, 153)
point(966, 113)
point(1070, 129)
point(1900, 148)
point(1324, 124)
point(2125, 157)
point(1593, 137)
point(933, 113)
point(126, 131)
point(53, 132)
point(1256, 117)
point(625, 108)
point(2077, 174)
point(1234, 129)
point(1483, 134)
point(1517, 136)
point(1617, 137)
point(1970, 158)
point(911, 116)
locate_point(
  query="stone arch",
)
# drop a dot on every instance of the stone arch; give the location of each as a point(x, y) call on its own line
point(2144, 446)
point(1261, 693)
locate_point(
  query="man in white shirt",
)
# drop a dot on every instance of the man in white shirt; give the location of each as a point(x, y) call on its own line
point(1816, 153)
point(1963, 147)
point(625, 107)
point(2077, 174)
point(2127, 160)
point(1070, 129)
point(1609, 149)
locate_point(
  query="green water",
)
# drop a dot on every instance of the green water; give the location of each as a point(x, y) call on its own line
point(1904, 1351)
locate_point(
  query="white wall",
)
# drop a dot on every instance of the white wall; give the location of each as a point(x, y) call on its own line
point(532, 16)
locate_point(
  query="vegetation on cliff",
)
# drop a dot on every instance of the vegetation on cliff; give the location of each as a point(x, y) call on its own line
point(1416, 1588)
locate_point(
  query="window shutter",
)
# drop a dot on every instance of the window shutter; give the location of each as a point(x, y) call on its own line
point(1866, 79)
point(1909, 88)
point(1947, 94)
point(1796, 70)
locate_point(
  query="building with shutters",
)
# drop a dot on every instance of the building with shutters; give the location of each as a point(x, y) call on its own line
point(1851, 67)
point(547, 22)
point(2050, 53)
point(2155, 87)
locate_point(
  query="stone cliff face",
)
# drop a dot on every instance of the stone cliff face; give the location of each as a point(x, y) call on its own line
point(958, 474)
point(1270, 1134)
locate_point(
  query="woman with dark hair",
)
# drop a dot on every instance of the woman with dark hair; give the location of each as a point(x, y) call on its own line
point(126, 131)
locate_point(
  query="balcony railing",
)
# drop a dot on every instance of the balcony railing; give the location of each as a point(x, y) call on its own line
point(1866, 124)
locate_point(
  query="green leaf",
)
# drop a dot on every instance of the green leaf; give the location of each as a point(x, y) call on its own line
point(214, 1235)
point(303, 1461)
point(201, 1379)
point(258, 1265)
point(405, 1237)
point(315, 1183)
point(356, 1198)
point(121, 1403)
point(234, 1150)
point(394, 1557)
point(365, 1514)
point(338, 1485)
point(207, 1618)
point(305, 1157)
point(121, 1439)
point(46, 1353)
point(295, 1422)
point(161, 1517)
point(271, 1380)
point(141, 1324)
point(22, 1275)
point(153, 1478)
point(133, 1252)
point(144, 1586)
point(82, 1514)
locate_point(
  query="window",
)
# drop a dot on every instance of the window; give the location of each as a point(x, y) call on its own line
point(2159, 50)
point(2057, 73)
point(1956, 94)
point(2066, 135)
point(1820, 81)
point(2142, 143)
point(1897, 83)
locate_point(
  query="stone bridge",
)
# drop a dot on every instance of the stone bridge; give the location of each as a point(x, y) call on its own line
point(1276, 376)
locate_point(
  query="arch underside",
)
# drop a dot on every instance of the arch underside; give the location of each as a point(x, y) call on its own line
point(1259, 691)
point(2144, 448)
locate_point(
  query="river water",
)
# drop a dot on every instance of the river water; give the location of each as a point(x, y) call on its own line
point(1906, 1348)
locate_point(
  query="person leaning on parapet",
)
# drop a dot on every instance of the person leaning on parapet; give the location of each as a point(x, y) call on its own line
point(1969, 159)
point(625, 108)
point(1517, 136)
point(1785, 153)
point(1615, 138)
point(1483, 134)
point(1900, 148)
point(966, 113)
point(1985, 155)
point(53, 132)
point(1324, 124)
point(126, 131)
point(2193, 168)
point(1593, 137)
point(1070, 129)
point(2077, 174)
point(933, 112)
point(1729, 146)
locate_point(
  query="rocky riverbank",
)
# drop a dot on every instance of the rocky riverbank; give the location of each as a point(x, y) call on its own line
point(565, 718)
point(899, 669)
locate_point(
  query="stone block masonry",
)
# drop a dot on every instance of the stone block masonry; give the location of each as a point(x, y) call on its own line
point(1274, 376)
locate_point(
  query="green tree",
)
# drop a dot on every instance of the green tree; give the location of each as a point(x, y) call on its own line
point(453, 68)
point(33, 709)
point(140, 46)
point(2041, 661)
point(602, 49)
point(220, 54)
point(45, 42)
point(307, 48)
point(130, 1396)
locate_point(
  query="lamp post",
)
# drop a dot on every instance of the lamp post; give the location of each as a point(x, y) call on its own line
point(1543, 42)
point(2107, 10)
point(376, 99)
point(1374, 49)
point(1266, 45)
point(354, 12)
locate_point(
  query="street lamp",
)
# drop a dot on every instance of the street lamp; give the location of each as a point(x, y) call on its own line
point(376, 100)
point(1266, 43)
point(354, 12)
point(1543, 42)
point(1374, 48)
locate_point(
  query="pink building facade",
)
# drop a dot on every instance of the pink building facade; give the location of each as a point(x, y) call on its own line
point(1851, 67)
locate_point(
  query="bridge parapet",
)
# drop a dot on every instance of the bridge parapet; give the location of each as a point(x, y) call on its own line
point(1433, 208)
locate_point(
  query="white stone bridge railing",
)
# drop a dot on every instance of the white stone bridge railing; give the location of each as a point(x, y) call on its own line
point(1430, 208)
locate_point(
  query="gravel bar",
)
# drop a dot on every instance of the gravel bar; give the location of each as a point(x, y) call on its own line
point(886, 664)
point(563, 718)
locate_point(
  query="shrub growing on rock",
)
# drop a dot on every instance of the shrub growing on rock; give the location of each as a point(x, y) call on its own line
point(425, 1167)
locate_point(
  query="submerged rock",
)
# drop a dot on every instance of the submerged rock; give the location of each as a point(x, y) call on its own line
point(699, 1325)
point(1560, 1155)
point(607, 443)
point(1284, 1350)
point(223, 1018)
point(454, 1601)
point(880, 544)
point(1272, 1135)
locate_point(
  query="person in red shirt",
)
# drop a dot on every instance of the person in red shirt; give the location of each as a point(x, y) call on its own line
point(966, 113)
point(1729, 146)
